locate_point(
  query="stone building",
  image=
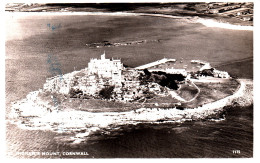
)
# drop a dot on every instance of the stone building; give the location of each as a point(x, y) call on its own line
point(106, 68)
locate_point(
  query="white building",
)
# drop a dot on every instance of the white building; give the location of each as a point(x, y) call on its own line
point(220, 74)
point(106, 68)
point(176, 71)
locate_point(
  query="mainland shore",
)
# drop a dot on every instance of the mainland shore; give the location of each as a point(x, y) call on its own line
point(208, 22)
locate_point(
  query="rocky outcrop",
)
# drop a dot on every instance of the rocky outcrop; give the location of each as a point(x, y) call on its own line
point(32, 114)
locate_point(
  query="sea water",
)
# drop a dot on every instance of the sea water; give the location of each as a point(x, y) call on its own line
point(30, 40)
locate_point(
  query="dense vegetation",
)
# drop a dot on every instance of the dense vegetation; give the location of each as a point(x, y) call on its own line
point(206, 72)
point(75, 93)
point(162, 78)
point(106, 92)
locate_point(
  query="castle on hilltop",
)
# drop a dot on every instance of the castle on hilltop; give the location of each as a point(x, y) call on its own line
point(106, 68)
point(127, 83)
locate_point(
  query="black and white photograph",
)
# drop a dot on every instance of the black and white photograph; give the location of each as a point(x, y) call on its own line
point(129, 80)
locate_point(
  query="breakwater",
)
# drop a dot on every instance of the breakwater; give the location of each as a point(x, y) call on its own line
point(32, 114)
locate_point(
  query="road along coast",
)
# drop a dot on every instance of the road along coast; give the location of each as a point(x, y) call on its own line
point(32, 114)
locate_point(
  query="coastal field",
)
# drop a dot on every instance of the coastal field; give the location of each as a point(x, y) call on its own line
point(32, 37)
point(210, 92)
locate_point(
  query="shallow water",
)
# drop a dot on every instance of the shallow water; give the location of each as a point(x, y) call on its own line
point(210, 139)
point(30, 40)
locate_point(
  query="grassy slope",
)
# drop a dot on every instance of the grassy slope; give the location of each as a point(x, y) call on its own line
point(210, 92)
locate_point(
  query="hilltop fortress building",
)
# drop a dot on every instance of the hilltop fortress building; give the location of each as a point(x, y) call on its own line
point(106, 68)
point(104, 73)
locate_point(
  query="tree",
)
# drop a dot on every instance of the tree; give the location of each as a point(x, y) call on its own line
point(75, 93)
point(106, 92)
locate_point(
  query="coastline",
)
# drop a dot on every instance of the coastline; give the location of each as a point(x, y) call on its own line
point(36, 116)
point(27, 71)
point(214, 23)
point(205, 21)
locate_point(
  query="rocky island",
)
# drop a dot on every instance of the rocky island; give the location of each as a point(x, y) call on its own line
point(107, 95)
